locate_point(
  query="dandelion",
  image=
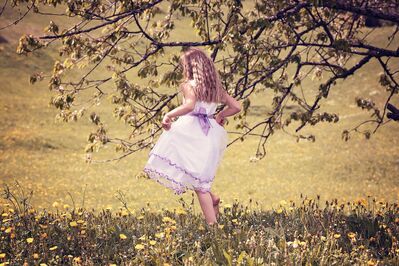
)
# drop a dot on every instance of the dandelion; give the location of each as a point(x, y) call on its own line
point(29, 240)
point(139, 246)
point(153, 242)
point(73, 224)
point(122, 236)
point(160, 235)
point(337, 236)
point(351, 235)
point(53, 248)
point(180, 211)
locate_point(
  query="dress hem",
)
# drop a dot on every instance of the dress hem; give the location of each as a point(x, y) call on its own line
point(181, 168)
point(155, 175)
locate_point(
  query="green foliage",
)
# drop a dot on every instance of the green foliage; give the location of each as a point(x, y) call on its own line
point(257, 46)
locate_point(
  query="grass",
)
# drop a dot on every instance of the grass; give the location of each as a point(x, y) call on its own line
point(363, 232)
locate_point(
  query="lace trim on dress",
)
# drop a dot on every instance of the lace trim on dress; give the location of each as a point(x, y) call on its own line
point(180, 168)
point(180, 190)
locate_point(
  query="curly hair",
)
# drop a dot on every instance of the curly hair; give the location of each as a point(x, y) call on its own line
point(199, 67)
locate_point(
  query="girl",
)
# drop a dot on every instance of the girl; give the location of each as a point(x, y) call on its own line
point(188, 152)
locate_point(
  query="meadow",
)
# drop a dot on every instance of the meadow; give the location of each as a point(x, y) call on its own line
point(364, 232)
point(47, 157)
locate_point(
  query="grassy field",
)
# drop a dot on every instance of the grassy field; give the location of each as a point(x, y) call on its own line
point(356, 233)
point(48, 157)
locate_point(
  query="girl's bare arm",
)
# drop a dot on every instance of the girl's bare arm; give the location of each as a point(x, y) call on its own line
point(233, 106)
point(187, 106)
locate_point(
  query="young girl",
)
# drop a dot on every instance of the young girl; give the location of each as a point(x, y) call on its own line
point(188, 152)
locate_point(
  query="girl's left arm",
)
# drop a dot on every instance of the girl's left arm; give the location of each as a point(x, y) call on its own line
point(189, 104)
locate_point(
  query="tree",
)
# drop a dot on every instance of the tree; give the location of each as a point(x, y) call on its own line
point(312, 37)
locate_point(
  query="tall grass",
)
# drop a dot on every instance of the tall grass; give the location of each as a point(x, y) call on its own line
point(362, 232)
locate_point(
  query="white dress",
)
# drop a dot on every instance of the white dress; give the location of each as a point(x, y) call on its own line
point(187, 155)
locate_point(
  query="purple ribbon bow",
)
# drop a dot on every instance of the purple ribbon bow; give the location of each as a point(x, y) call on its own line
point(203, 119)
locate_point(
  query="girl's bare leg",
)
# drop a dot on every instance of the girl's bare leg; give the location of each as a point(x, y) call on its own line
point(206, 203)
point(215, 200)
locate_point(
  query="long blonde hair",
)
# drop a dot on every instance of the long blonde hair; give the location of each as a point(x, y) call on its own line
point(199, 67)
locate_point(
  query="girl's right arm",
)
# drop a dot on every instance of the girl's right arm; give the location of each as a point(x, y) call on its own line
point(233, 106)
point(187, 106)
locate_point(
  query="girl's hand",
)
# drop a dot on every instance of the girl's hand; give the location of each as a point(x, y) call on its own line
point(166, 122)
point(220, 119)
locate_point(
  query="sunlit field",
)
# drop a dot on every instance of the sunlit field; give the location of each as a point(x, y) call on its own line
point(325, 201)
point(48, 157)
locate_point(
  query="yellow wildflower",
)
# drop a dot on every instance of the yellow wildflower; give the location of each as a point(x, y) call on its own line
point(53, 248)
point(29, 240)
point(122, 236)
point(153, 242)
point(351, 235)
point(160, 235)
point(180, 211)
point(139, 246)
point(73, 224)
point(337, 236)
point(2, 255)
